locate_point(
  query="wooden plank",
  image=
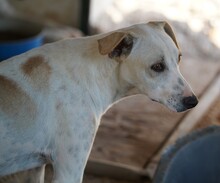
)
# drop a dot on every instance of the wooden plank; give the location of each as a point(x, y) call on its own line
point(212, 116)
point(88, 178)
point(131, 131)
point(115, 170)
point(189, 122)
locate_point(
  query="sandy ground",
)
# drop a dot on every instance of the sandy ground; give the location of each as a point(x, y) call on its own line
point(199, 15)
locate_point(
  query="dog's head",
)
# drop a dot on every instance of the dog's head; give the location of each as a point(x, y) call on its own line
point(148, 56)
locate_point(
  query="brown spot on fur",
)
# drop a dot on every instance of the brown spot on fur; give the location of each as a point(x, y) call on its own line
point(58, 105)
point(15, 103)
point(32, 63)
point(38, 70)
point(63, 87)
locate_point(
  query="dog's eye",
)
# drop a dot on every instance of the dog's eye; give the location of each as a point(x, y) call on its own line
point(158, 67)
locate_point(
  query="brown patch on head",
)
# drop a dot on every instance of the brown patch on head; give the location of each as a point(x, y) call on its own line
point(38, 70)
point(167, 28)
point(116, 45)
point(15, 103)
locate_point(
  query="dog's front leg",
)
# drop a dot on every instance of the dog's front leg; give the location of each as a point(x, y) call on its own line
point(67, 172)
point(68, 168)
point(70, 160)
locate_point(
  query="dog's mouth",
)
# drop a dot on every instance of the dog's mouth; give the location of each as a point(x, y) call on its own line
point(184, 104)
point(179, 104)
point(154, 100)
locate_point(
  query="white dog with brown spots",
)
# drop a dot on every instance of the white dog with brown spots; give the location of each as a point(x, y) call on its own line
point(52, 98)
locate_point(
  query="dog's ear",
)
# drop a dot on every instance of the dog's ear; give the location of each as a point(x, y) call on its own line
point(167, 28)
point(117, 45)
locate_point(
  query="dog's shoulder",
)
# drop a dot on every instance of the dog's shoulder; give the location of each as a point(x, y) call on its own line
point(20, 76)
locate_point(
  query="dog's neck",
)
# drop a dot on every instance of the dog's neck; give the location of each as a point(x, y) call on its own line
point(99, 75)
point(105, 87)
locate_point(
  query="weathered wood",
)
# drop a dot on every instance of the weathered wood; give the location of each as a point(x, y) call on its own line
point(132, 130)
point(212, 116)
point(115, 170)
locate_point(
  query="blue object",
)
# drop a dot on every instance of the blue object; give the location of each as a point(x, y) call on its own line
point(18, 36)
point(193, 159)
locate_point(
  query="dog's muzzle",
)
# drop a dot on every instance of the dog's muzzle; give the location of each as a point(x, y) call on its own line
point(190, 102)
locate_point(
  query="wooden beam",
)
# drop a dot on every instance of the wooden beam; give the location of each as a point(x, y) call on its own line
point(84, 14)
point(115, 170)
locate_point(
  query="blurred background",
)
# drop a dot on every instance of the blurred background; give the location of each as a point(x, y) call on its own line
point(134, 132)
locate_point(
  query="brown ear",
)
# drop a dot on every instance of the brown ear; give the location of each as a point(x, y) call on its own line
point(108, 43)
point(170, 32)
point(167, 28)
point(116, 45)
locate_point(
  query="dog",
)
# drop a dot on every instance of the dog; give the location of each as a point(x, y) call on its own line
point(52, 98)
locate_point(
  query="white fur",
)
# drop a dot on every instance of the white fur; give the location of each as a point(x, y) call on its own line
point(83, 84)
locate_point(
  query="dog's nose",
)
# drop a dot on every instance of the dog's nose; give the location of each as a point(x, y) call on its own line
point(190, 102)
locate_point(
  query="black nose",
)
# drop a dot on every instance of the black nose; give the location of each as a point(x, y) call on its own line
point(190, 102)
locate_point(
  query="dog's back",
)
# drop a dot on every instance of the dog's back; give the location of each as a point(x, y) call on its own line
point(33, 87)
point(25, 97)
point(19, 111)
